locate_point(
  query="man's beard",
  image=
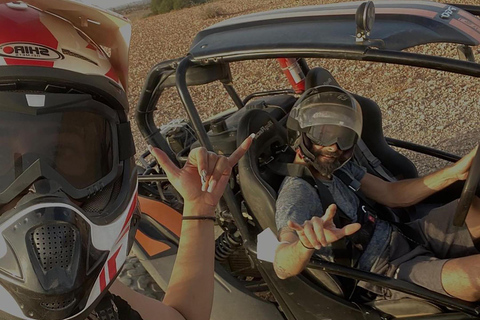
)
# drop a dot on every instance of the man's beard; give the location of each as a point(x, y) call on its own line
point(326, 169)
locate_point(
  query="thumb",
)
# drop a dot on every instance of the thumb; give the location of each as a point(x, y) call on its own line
point(164, 161)
point(463, 176)
point(351, 228)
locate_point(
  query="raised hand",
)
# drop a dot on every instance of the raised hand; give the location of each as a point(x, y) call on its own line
point(321, 231)
point(202, 180)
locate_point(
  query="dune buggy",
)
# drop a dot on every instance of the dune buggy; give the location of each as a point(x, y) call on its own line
point(383, 32)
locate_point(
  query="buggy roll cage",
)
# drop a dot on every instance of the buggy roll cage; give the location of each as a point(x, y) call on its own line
point(198, 69)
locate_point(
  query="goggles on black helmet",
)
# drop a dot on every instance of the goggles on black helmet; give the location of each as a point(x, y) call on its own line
point(69, 138)
point(327, 135)
point(327, 115)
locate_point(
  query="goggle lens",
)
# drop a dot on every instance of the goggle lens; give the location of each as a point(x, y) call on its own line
point(327, 135)
point(76, 144)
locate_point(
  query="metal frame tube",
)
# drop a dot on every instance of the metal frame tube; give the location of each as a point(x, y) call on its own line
point(152, 178)
point(375, 55)
point(267, 93)
point(422, 149)
point(234, 95)
point(192, 112)
point(147, 104)
point(352, 273)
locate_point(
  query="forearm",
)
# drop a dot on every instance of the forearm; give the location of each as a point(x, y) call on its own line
point(190, 290)
point(408, 192)
point(148, 308)
point(291, 259)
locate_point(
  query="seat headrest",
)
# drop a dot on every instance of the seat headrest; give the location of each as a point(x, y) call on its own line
point(319, 76)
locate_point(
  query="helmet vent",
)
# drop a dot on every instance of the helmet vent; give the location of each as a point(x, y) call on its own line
point(98, 202)
point(76, 55)
point(58, 305)
point(54, 245)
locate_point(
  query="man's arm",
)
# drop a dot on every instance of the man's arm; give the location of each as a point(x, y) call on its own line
point(408, 192)
point(190, 291)
point(291, 257)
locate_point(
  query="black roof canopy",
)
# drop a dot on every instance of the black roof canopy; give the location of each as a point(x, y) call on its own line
point(331, 28)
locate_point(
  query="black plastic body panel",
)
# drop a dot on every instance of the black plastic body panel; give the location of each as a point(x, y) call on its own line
point(398, 25)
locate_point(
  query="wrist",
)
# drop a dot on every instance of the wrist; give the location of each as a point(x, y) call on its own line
point(304, 247)
point(192, 209)
point(449, 176)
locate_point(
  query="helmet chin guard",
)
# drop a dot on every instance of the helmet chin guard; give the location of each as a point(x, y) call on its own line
point(54, 261)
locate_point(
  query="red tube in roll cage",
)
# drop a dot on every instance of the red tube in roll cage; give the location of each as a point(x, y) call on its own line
point(294, 73)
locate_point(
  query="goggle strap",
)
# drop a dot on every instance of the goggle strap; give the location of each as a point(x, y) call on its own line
point(125, 141)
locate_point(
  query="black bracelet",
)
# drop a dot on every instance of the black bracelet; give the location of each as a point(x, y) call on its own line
point(200, 218)
point(305, 245)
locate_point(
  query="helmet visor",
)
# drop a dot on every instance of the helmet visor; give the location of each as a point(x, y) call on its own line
point(337, 115)
point(76, 144)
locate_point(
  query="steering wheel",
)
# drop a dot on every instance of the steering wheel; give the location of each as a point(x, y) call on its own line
point(468, 192)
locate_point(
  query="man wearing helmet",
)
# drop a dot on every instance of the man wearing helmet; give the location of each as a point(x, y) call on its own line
point(324, 127)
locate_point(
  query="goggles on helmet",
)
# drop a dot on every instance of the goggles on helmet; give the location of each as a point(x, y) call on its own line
point(69, 138)
point(327, 115)
point(327, 135)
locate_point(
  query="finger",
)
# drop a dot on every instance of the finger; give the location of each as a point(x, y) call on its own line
point(301, 235)
point(331, 211)
point(164, 161)
point(469, 156)
point(212, 162)
point(222, 167)
point(319, 232)
point(198, 157)
point(295, 226)
point(474, 150)
point(220, 185)
point(212, 159)
point(349, 229)
point(241, 150)
point(310, 235)
point(305, 242)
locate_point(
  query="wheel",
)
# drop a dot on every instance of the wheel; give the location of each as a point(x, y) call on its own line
point(468, 191)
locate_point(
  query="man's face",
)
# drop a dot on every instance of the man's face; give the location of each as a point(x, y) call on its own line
point(327, 158)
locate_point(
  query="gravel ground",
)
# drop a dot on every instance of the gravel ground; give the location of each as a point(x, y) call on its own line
point(428, 107)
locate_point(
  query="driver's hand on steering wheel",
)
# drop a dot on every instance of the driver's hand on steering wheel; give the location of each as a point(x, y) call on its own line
point(321, 231)
point(459, 170)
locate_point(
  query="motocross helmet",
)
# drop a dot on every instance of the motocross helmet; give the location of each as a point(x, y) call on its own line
point(325, 115)
point(68, 197)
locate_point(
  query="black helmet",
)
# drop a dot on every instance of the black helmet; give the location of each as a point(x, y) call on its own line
point(325, 115)
point(68, 199)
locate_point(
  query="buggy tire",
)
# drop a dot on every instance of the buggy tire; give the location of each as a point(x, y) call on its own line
point(136, 277)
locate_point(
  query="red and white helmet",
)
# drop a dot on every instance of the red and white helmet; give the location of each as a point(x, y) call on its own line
point(68, 186)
